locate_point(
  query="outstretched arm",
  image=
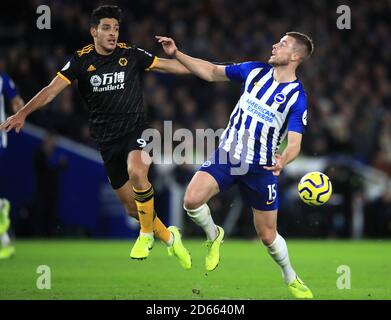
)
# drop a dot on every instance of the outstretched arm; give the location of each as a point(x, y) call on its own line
point(203, 69)
point(170, 66)
point(42, 98)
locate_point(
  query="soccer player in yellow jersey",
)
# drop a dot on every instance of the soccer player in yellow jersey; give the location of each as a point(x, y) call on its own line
point(108, 75)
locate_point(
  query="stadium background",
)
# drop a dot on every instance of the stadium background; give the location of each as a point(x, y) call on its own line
point(349, 134)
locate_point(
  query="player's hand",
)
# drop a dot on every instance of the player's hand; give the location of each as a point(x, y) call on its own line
point(14, 122)
point(168, 45)
point(276, 169)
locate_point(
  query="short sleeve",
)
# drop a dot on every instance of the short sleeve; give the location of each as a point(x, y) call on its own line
point(9, 87)
point(298, 115)
point(239, 72)
point(71, 70)
point(144, 59)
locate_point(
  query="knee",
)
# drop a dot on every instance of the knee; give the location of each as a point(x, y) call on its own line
point(267, 236)
point(136, 175)
point(192, 200)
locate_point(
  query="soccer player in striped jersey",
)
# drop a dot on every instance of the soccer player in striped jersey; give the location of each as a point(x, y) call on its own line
point(273, 104)
point(9, 92)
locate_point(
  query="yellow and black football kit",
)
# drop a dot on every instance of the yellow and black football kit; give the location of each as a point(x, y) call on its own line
point(111, 87)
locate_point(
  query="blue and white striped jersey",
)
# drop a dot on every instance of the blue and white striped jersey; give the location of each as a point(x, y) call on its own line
point(7, 90)
point(264, 114)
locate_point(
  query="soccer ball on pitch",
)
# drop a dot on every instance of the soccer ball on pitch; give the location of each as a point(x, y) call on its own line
point(315, 188)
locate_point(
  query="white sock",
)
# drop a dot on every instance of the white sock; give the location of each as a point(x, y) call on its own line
point(279, 252)
point(202, 217)
point(5, 240)
point(147, 234)
point(170, 241)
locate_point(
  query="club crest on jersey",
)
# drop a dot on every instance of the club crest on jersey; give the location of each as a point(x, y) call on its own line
point(279, 98)
point(96, 81)
point(123, 62)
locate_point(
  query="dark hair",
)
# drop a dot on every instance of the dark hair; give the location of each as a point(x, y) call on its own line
point(304, 40)
point(105, 11)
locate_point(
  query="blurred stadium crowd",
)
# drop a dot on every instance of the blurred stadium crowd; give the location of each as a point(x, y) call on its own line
point(347, 79)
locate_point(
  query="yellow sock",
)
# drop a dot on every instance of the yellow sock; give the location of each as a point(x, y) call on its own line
point(160, 230)
point(145, 209)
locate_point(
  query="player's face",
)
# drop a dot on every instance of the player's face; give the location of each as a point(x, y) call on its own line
point(106, 34)
point(282, 52)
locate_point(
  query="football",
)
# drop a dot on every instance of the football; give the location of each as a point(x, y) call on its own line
point(315, 188)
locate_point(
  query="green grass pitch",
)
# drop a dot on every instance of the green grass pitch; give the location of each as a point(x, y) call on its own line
point(102, 270)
